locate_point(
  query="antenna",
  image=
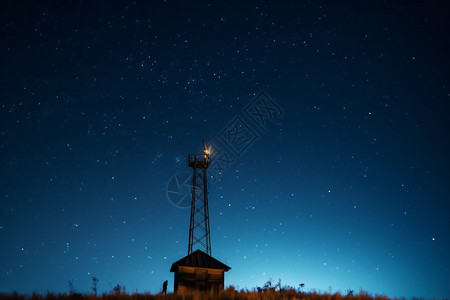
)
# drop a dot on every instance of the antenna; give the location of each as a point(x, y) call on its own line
point(199, 222)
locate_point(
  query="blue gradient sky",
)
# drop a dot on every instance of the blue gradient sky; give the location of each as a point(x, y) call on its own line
point(101, 101)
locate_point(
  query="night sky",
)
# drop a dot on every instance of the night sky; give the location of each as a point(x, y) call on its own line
point(329, 127)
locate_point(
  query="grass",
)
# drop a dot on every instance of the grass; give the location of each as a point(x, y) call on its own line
point(228, 294)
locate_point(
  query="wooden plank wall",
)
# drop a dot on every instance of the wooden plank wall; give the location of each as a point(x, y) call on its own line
point(191, 278)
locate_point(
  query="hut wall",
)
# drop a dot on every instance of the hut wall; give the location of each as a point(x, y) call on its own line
point(191, 278)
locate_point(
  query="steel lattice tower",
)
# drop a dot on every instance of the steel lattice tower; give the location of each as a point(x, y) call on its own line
point(199, 223)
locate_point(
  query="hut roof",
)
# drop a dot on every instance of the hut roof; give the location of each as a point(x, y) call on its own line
point(199, 259)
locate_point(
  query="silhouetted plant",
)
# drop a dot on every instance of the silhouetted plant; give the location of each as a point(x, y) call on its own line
point(350, 292)
point(268, 286)
point(118, 290)
point(94, 285)
point(301, 286)
point(278, 285)
point(71, 289)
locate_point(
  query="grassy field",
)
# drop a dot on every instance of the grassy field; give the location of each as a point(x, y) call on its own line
point(228, 294)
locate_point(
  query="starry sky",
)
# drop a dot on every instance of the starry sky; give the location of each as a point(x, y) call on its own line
point(328, 123)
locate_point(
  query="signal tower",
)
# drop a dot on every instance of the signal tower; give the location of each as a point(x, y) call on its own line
point(199, 223)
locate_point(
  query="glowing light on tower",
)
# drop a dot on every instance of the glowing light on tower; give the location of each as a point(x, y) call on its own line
point(199, 222)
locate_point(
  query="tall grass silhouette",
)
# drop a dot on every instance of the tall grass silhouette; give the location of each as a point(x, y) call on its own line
point(228, 294)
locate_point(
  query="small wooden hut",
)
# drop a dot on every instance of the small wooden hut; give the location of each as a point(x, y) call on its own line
point(198, 271)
